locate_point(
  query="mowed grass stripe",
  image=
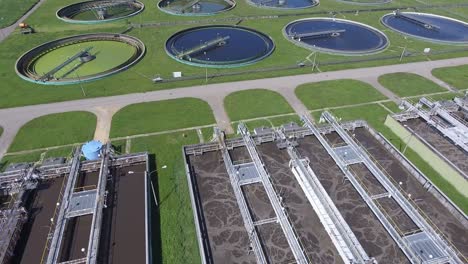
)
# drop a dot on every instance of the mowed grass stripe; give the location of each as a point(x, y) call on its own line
point(336, 93)
point(55, 130)
point(161, 116)
point(456, 76)
point(11, 159)
point(173, 235)
point(255, 103)
point(408, 84)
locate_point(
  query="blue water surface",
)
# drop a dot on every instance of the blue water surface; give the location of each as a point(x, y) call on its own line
point(289, 4)
point(243, 46)
point(356, 38)
point(447, 30)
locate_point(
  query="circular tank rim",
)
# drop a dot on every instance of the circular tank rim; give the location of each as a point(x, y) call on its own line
point(436, 41)
point(89, 22)
point(364, 4)
point(317, 3)
point(89, 79)
point(236, 65)
point(334, 52)
point(195, 15)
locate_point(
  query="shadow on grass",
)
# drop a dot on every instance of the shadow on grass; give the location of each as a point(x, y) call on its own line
point(156, 247)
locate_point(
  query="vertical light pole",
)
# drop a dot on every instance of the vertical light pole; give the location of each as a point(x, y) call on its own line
point(152, 186)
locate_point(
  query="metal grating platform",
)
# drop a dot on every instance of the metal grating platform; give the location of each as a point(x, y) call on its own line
point(347, 155)
point(425, 249)
point(82, 203)
point(247, 173)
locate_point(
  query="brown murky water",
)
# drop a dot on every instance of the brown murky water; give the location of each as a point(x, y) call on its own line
point(453, 153)
point(439, 215)
point(367, 228)
point(228, 239)
point(312, 235)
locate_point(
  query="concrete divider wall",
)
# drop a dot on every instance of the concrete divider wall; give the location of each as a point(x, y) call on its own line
point(435, 161)
point(426, 182)
point(196, 207)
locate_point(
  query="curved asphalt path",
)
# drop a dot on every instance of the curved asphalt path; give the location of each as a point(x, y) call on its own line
point(11, 119)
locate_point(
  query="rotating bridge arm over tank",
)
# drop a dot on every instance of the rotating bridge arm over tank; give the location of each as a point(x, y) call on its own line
point(416, 21)
point(188, 5)
point(211, 44)
point(318, 34)
point(49, 75)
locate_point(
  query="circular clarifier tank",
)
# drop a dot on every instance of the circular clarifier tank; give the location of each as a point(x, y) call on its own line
point(195, 7)
point(336, 36)
point(428, 27)
point(365, 2)
point(219, 46)
point(80, 58)
point(284, 4)
point(94, 12)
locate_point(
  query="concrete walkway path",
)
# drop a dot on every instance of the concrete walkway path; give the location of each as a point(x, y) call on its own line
point(11, 119)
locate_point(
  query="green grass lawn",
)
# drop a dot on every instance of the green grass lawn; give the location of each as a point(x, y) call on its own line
point(284, 60)
point(392, 106)
point(255, 103)
point(161, 116)
point(173, 229)
point(12, 10)
point(456, 76)
point(55, 130)
point(437, 97)
point(9, 159)
point(65, 152)
point(375, 115)
point(109, 54)
point(267, 122)
point(1, 131)
point(34, 156)
point(408, 84)
point(336, 93)
point(207, 133)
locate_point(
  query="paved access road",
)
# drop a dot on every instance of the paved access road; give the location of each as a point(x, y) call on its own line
point(11, 119)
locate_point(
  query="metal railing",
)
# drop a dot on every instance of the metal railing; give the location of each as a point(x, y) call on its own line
point(457, 134)
point(96, 223)
point(395, 192)
point(61, 219)
point(423, 214)
point(378, 211)
point(285, 224)
point(339, 231)
point(50, 233)
point(248, 222)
